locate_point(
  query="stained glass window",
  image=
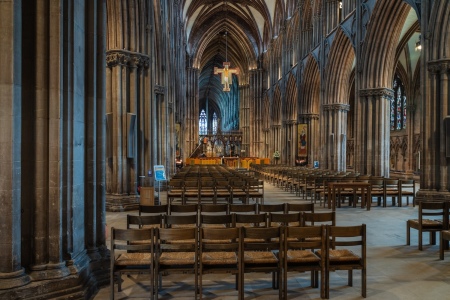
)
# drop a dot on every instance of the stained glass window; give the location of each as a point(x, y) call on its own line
point(398, 105)
point(202, 123)
point(214, 123)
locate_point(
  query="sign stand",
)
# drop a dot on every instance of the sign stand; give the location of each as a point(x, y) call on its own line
point(160, 175)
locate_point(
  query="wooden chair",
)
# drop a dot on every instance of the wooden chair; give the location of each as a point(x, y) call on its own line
point(175, 189)
point(223, 190)
point(191, 191)
point(217, 221)
point(239, 191)
point(377, 190)
point(445, 237)
point(341, 256)
point(243, 208)
point(407, 189)
point(298, 255)
point(256, 190)
point(391, 189)
point(259, 245)
point(221, 208)
point(154, 209)
point(176, 252)
point(284, 219)
point(186, 209)
point(250, 220)
point(299, 207)
point(281, 207)
point(427, 222)
point(180, 221)
point(139, 222)
point(319, 218)
point(220, 253)
point(127, 257)
point(207, 191)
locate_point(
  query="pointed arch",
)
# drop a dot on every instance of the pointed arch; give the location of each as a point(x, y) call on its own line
point(290, 108)
point(310, 101)
point(276, 106)
point(381, 42)
point(338, 70)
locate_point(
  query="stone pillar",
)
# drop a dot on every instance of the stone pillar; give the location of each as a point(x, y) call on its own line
point(373, 132)
point(245, 119)
point(12, 274)
point(434, 183)
point(256, 115)
point(192, 112)
point(95, 131)
point(125, 110)
point(336, 135)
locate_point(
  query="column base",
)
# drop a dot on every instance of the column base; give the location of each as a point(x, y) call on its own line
point(115, 203)
point(13, 279)
point(49, 271)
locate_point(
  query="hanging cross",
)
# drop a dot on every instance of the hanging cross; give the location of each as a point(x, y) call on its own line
point(226, 75)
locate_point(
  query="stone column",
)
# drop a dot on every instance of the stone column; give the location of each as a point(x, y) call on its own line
point(12, 274)
point(192, 112)
point(336, 132)
point(256, 116)
point(245, 119)
point(373, 132)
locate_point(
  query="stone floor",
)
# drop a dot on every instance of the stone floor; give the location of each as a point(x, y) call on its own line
point(394, 270)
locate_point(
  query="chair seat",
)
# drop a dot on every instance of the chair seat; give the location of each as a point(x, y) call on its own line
point(219, 258)
point(341, 255)
point(188, 241)
point(134, 259)
point(426, 223)
point(301, 256)
point(259, 257)
point(177, 258)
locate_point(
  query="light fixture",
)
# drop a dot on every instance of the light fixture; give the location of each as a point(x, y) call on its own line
point(418, 44)
point(226, 72)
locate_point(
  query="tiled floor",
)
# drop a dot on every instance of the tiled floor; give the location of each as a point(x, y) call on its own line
point(394, 270)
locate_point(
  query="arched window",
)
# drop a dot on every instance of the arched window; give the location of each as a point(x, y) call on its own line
point(214, 123)
point(398, 105)
point(202, 123)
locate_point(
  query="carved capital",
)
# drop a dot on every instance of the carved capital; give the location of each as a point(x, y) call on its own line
point(439, 66)
point(159, 89)
point(126, 58)
point(116, 58)
point(377, 92)
point(310, 117)
point(336, 107)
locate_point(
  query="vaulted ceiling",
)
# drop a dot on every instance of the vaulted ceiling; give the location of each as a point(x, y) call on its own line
point(235, 30)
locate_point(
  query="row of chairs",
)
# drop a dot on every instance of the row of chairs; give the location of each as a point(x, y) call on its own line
point(225, 208)
point(239, 250)
point(215, 189)
point(313, 183)
point(262, 219)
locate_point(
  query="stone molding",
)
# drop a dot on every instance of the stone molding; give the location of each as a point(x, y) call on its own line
point(336, 107)
point(377, 92)
point(439, 66)
point(310, 116)
point(127, 58)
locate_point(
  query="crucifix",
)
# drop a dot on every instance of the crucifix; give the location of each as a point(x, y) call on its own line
point(226, 75)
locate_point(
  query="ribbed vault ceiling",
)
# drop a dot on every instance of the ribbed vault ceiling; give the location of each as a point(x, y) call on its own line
point(248, 24)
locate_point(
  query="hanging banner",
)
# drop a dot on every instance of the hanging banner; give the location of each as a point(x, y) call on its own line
point(160, 173)
point(302, 140)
